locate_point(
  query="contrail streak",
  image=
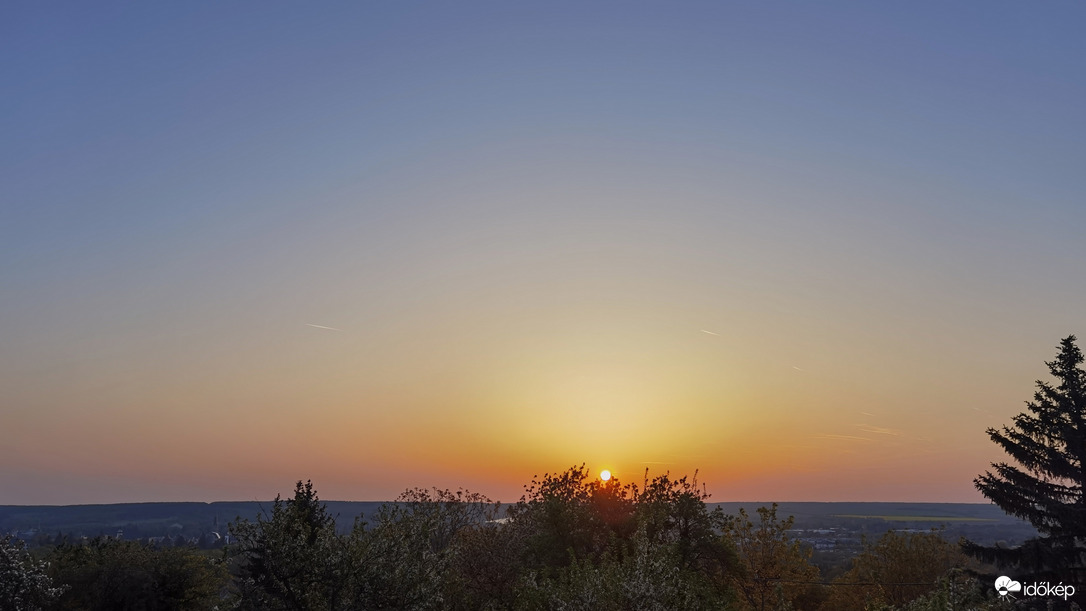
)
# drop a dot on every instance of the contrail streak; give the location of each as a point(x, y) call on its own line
point(844, 437)
point(323, 327)
point(710, 332)
point(877, 429)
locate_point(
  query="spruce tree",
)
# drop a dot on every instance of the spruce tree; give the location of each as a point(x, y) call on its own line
point(1047, 487)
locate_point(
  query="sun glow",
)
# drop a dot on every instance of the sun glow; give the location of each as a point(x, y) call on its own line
point(605, 475)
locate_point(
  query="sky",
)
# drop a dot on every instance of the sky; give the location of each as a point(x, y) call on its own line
point(810, 250)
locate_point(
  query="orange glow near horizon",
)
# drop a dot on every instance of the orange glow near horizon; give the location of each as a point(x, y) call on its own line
point(461, 247)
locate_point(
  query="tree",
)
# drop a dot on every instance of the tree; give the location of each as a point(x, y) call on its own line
point(24, 584)
point(569, 515)
point(582, 543)
point(775, 571)
point(590, 544)
point(1046, 488)
point(293, 559)
point(672, 513)
point(109, 574)
point(959, 589)
point(647, 576)
point(897, 569)
point(417, 545)
point(488, 567)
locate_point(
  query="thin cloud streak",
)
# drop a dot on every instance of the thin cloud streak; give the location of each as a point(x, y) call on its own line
point(843, 437)
point(878, 430)
point(322, 327)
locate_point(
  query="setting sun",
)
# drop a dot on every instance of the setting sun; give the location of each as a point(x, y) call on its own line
point(536, 240)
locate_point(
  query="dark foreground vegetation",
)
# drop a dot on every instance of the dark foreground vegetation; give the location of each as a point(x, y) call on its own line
point(572, 542)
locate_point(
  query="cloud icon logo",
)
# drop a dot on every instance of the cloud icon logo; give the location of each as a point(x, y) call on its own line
point(1005, 585)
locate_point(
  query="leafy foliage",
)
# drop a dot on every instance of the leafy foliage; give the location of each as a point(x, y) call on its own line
point(898, 568)
point(593, 544)
point(417, 545)
point(568, 515)
point(650, 577)
point(108, 574)
point(24, 584)
point(292, 559)
point(959, 589)
point(775, 571)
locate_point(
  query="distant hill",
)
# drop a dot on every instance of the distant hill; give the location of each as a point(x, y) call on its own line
point(950, 512)
point(981, 522)
point(139, 520)
point(984, 523)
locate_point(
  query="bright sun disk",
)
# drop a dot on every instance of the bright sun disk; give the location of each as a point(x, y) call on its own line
point(605, 475)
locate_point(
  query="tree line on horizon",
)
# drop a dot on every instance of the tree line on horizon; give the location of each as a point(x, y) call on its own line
point(572, 542)
point(575, 542)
